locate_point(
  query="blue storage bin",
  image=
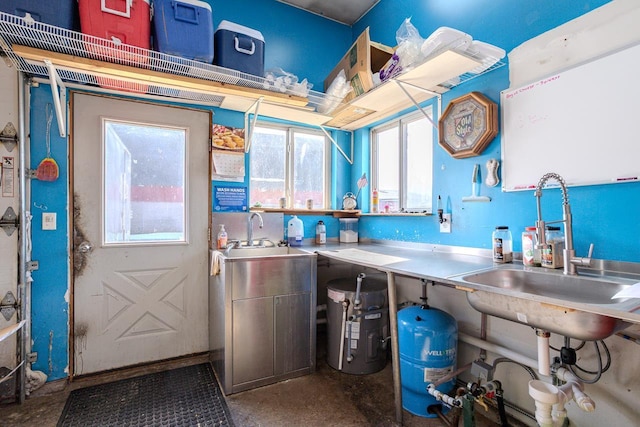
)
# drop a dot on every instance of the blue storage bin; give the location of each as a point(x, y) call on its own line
point(61, 13)
point(239, 48)
point(183, 28)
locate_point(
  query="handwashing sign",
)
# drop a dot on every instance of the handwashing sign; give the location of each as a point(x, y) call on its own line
point(230, 199)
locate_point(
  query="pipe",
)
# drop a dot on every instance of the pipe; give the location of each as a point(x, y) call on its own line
point(550, 400)
point(356, 300)
point(544, 365)
point(451, 375)
point(435, 409)
point(23, 252)
point(395, 348)
point(443, 397)
point(349, 355)
point(345, 304)
point(498, 349)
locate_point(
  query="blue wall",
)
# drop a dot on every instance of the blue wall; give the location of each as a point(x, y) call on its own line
point(49, 308)
point(309, 47)
point(604, 215)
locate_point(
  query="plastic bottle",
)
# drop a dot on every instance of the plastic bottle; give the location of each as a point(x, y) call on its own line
point(222, 237)
point(321, 233)
point(295, 231)
point(374, 201)
point(502, 245)
point(531, 255)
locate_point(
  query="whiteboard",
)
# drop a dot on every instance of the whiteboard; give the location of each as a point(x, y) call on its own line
point(582, 123)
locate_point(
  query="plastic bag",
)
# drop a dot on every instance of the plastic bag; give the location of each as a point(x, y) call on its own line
point(278, 80)
point(407, 54)
point(337, 90)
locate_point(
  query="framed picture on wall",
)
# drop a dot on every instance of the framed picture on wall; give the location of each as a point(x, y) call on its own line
point(468, 125)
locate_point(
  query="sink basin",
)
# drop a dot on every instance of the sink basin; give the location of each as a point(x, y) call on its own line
point(257, 251)
point(585, 289)
point(524, 304)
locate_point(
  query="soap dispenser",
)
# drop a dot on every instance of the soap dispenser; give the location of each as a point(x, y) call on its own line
point(222, 237)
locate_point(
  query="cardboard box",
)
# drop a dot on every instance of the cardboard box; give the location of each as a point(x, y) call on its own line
point(361, 61)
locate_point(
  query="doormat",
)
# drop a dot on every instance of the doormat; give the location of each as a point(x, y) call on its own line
point(187, 396)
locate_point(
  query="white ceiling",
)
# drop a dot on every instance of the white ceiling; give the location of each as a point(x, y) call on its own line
point(344, 11)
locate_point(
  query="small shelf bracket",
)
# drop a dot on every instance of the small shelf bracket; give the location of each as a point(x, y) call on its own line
point(334, 142)
point(401, 85)
point(255, 108)
point(59, 97)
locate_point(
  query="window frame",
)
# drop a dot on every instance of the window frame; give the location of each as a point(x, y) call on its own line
point(290, 131)
point(401, 123)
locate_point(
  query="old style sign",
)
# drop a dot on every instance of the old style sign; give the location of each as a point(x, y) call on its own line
point(468, 125)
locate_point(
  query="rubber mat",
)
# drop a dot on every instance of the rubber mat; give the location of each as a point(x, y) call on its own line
point(186, 396)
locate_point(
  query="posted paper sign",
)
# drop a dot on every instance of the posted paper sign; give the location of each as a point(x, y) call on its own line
point(230, 199)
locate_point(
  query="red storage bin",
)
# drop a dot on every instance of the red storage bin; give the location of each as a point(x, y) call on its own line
point(121, 22)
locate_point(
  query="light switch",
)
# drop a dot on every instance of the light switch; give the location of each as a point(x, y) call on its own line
point(48, 220)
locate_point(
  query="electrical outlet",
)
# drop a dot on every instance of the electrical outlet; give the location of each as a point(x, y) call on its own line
point(445, 225)
point(48, 220)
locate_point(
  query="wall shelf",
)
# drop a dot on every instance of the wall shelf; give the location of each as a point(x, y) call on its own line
point(34, 48)
point(335, 213)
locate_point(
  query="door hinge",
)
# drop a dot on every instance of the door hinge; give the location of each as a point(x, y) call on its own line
point(8, 305)
point(32, 265)
point(9, 136)
point(9, 221)
point(31, 173)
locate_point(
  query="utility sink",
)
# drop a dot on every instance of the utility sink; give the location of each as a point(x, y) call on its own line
point(536, 298)
point(261, 251)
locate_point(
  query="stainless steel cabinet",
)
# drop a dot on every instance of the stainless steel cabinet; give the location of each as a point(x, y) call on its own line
point(262, 320)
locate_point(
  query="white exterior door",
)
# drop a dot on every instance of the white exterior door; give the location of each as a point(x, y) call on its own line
point(141, 203)
point(8, 199)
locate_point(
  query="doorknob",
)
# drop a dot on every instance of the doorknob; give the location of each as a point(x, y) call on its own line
point(85, 247)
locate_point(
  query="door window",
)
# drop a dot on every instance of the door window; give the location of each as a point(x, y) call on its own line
point(144, 183)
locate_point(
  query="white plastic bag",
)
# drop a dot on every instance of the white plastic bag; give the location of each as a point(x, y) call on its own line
point(407, 54)
point(338, 89)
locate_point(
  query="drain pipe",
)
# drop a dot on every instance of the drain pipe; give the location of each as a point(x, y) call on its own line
point(550, 400)
point(544, 365)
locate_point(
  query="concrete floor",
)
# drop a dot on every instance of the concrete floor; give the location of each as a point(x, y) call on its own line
point(324, 398)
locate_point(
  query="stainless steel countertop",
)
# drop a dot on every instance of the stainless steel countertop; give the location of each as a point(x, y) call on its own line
point(448, 266)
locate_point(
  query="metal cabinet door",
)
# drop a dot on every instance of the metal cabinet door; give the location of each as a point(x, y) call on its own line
point(253, 346)
point(292, 338)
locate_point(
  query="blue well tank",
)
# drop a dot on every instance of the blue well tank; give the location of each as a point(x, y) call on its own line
point(428, 341)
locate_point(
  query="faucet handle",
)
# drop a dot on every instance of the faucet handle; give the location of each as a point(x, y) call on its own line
point(583, 261)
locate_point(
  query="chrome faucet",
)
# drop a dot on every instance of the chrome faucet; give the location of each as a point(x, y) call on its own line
point(569, 254)
point(250, 227)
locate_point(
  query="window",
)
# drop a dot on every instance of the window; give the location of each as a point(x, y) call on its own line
point(401, 163)
point(293, 163)
point(144, 183)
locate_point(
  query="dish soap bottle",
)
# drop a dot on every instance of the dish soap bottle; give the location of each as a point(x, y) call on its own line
point(222, 237)
point(295, 231)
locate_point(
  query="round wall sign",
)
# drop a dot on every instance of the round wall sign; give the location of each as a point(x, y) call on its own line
point(468, 125)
